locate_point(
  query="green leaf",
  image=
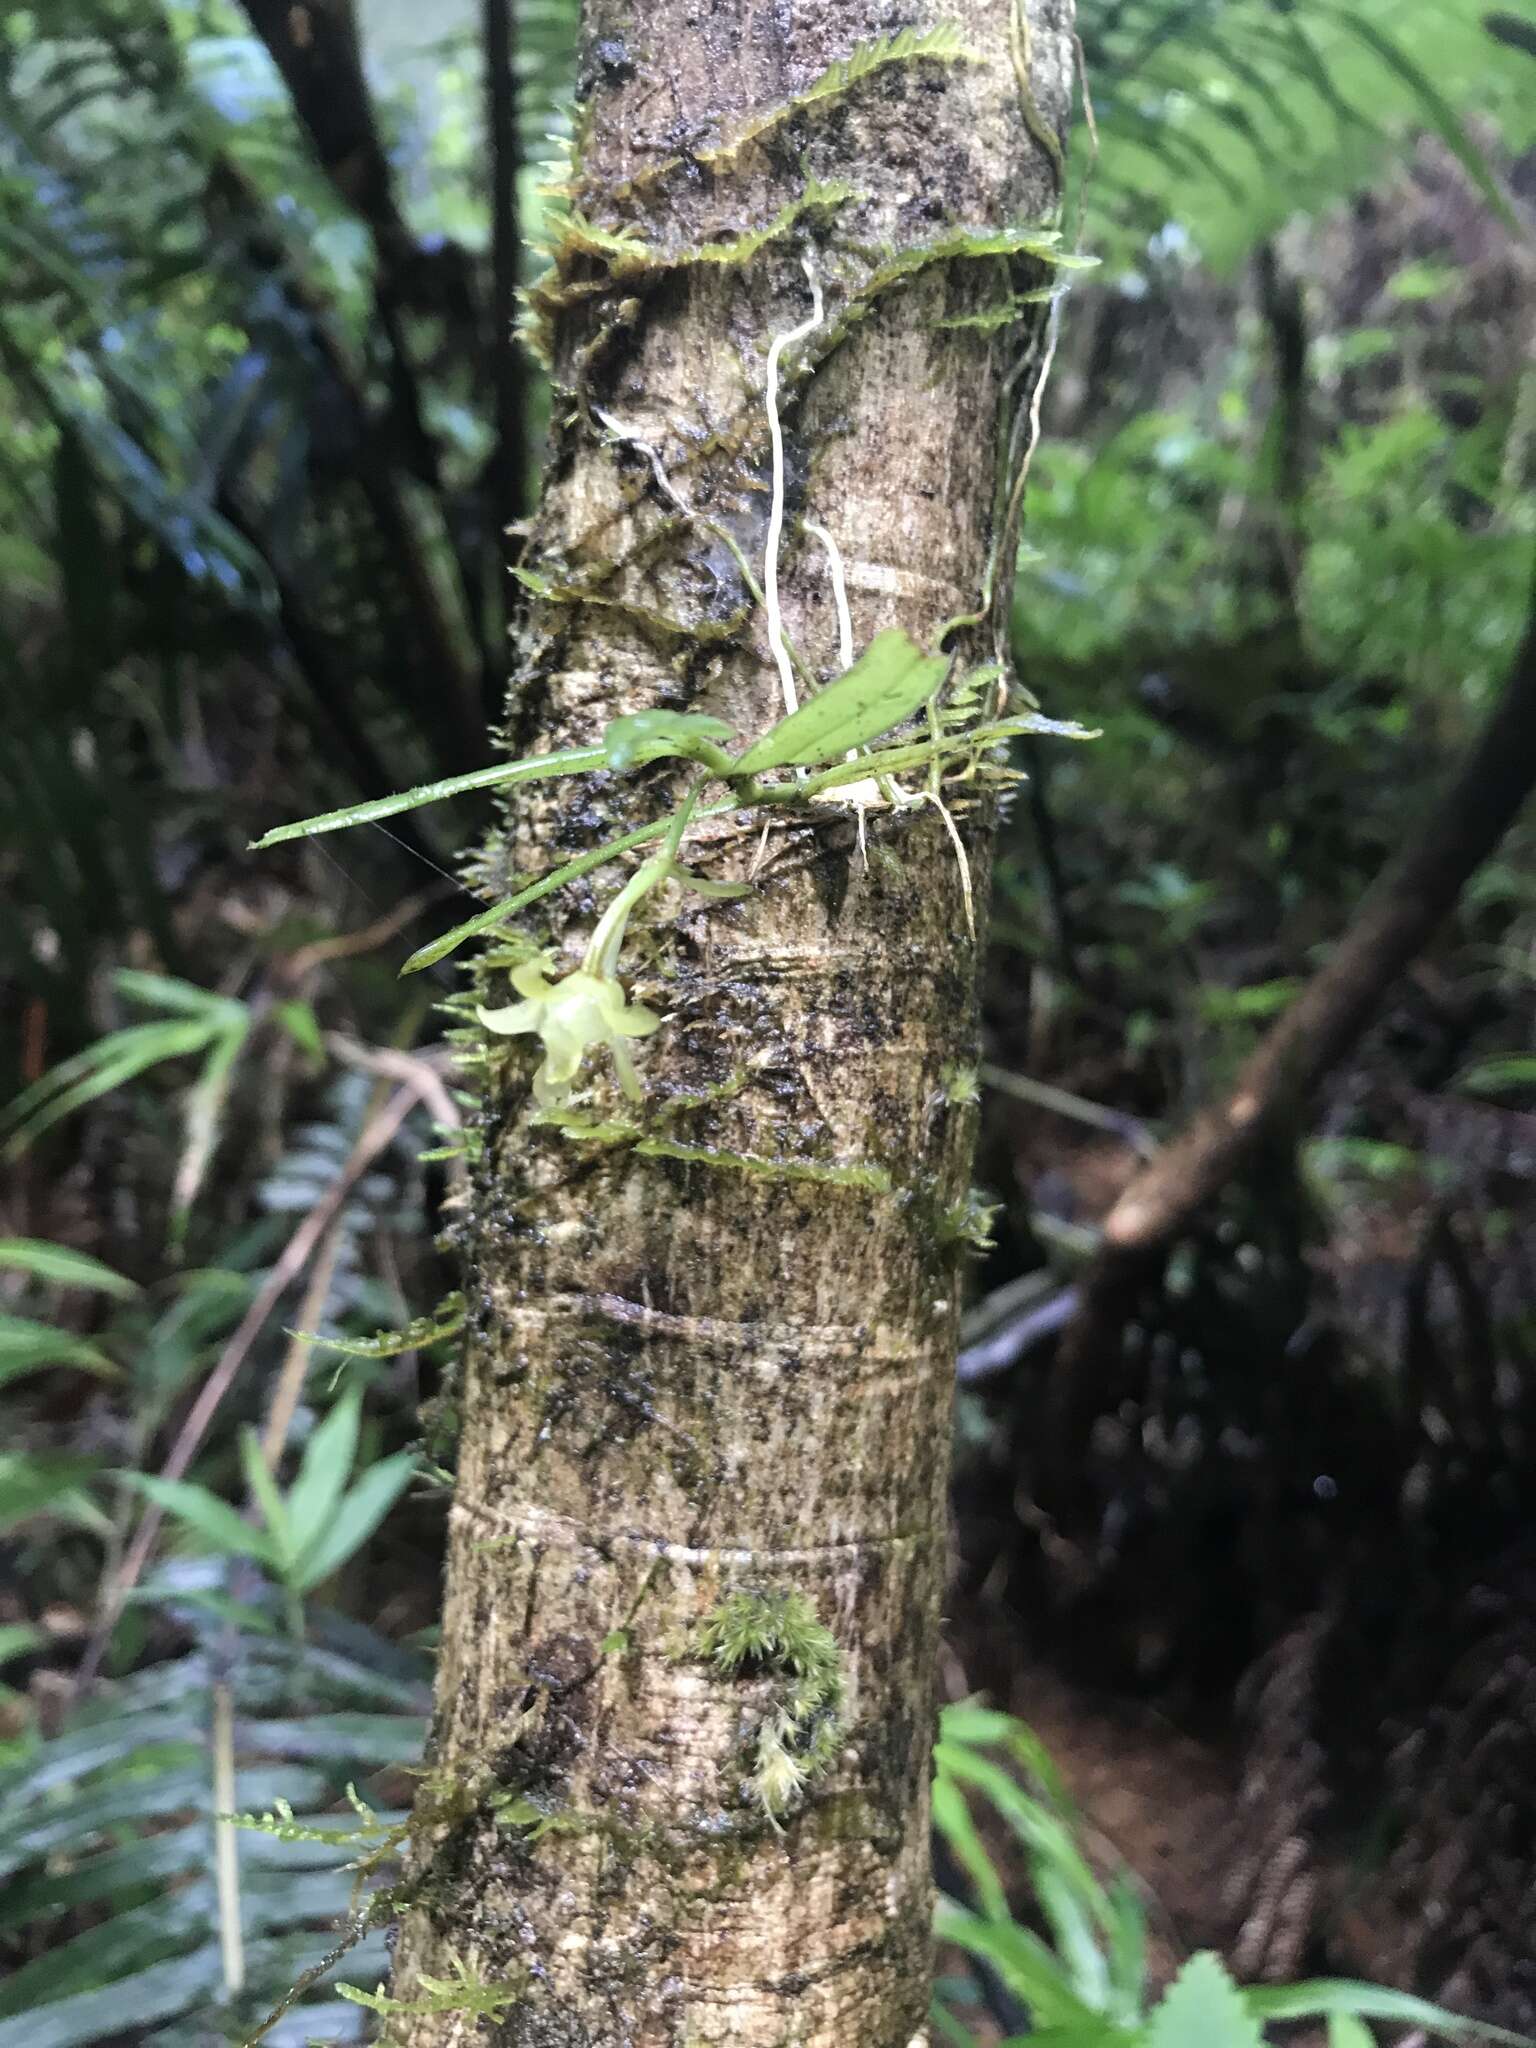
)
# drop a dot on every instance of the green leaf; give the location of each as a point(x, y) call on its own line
point(133, 1739)
point(1203, 2008)
point(154, 1795)
point(537, 767)
point(302, 1026)
point(206, 1515)
point(59, 1267)
point(891, 680)
point(1047, 1837)
point(948, 2027)
point(323, 1472)
point(152, 1860)
point(569, 871)
point(1345, 2031)
point(1127, 1949)
point(1023, 1962)
point(17, 1638)
point(182, 998)
point(952, 1818)
point(40, 1485)
point(360, 1741)
point(1504, 1070)
point(1323, 1997)
point(116, 1948)
point(357, 1517)
point(265, 1492)
point(27, 1346)
point(157, 1993)
point(118, 1058)
point(653, 735)
point(1436, 109)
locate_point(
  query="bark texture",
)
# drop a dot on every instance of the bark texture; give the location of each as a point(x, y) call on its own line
point(712, 1344)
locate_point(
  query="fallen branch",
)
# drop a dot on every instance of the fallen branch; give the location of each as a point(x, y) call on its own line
point(1393, 923)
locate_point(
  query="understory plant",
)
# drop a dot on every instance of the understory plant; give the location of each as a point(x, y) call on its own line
point(1069, 1947)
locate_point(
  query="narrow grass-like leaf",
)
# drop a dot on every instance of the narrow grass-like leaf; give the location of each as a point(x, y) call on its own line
point(203, 1512)
point(183, 998)
point(357, 1517)
point(112, 1061)
point(1041, 1831)
point(1023, 1962)
point(58, 1266)
point(1325, 1996)
point(34, 1485)
point(1127, 1949)
point(28, 1346)
point(323, 1472)
point(952, 1817)
point(1345, 2031)
point(267, 1495)
point(498, 913)
point(537, 767)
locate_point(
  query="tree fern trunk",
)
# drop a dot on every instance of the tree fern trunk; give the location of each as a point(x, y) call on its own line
point(687, 1697)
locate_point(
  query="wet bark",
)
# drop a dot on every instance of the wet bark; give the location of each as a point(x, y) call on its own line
point(712, 1343)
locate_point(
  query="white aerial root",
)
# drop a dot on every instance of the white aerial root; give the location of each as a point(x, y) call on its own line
point(855, 796)
point(776, 638)
point(873, 793)
point(839, 593)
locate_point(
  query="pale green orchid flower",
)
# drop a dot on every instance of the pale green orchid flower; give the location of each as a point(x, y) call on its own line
point(586, 1009)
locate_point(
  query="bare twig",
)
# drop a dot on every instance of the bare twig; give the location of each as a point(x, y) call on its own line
point(295, 1366)
point(1061, 1102)
point(348, 945)
point(422, 1071)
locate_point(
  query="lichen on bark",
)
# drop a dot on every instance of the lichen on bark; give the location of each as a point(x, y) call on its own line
point(710, 1336)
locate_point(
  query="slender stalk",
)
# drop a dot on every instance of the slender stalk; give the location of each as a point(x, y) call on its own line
point(226, 1847)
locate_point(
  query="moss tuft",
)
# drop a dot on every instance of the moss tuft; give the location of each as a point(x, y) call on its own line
point(776, 1634)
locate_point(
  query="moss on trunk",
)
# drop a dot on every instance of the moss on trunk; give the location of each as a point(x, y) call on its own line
point(686, 1691)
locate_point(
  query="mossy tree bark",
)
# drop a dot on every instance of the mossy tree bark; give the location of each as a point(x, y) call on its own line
point(711, 1345)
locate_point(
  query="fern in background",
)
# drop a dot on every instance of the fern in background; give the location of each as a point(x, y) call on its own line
point(179, 1927)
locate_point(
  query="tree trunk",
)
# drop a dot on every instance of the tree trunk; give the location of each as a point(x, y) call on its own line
point(686, 1696)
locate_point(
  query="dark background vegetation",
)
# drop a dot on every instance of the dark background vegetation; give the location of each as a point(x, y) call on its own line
point(1258, 1564)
